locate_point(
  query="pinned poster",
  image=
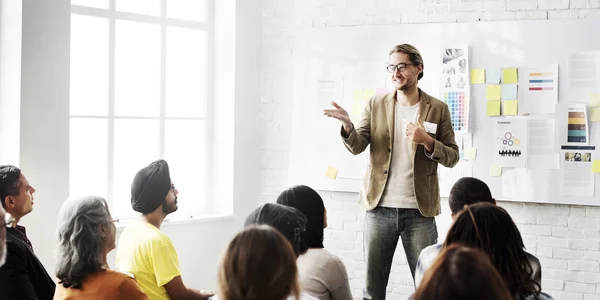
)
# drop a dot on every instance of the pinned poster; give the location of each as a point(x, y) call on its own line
point(510, 143)
point(577, 125)
point(538, 89)
point(331, 172)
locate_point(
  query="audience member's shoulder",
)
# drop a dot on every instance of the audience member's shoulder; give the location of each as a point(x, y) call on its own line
point(433, 250)
point(541, 296)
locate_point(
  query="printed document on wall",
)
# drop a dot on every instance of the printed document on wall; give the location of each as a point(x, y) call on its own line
point(538, 89)
point(454, 85)
point(576, 177)
point(574, 124)
point(510, 143)
point(542, 154)
point(449, 176)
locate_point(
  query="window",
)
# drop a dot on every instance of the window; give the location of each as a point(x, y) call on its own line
point(141, 90)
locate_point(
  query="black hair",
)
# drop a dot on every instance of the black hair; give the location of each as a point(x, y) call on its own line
point(467, 191)
point(10, 182)
point(310, 204)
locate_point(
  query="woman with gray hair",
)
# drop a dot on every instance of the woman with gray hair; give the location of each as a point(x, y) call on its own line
point(86, 234)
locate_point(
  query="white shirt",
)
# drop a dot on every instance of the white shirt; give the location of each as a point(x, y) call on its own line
point(399, 191)
point(323, 275)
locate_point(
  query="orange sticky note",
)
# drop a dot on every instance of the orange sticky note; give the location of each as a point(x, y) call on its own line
point(331, 172)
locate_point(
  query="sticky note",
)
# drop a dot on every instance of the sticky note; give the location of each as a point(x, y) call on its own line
point(477, 76)
point(495, 170)
point(357, 94)
point(509, 92)
point(594, 99)
point(596, 166)
point(510, 107)
point(509, 75)
point(470, 153)
point(331, 172)
point(492, 92)
point(492, 76)
point(493, 108)
point(595, 114)
point(368, 93)
point(381, 91)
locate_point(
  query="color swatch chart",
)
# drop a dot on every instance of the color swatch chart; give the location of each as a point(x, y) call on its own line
point(458, 104)
point(541, 81)
point(577, 128)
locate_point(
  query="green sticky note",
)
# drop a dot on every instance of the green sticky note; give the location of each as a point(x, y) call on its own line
point(510, 107)
point(595, 114)
point(509, 75)
point(596, 166)
point(594, 99)
point(495, 170)
point(477, 76)
point(493, 108)
point(470, 153)
point(493, 92)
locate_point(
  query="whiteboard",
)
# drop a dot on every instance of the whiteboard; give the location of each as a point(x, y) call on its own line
point(355, 57)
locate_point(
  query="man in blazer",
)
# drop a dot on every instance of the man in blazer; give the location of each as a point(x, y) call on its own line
point(409, 133)
point(22, 276)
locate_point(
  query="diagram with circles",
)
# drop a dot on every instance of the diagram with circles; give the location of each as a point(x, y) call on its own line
point(510, 144)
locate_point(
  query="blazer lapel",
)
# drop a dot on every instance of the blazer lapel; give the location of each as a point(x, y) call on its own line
point(389, 111)
point(423, 113)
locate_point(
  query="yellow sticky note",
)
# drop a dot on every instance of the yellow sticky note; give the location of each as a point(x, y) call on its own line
point(357, 94)
point(509, 75)
point(470, 153)
point(594, 99)
point(357, 108)
point(493, 108)
point(595, 114)
point(331, 172)
point(493, 92)
point(510, 107)
point(596, 166)
point(477, 76)
point(495, 170)
point(368, 93)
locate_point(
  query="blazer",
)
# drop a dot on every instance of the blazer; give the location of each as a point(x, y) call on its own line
point(377, 130)
point(23, 276)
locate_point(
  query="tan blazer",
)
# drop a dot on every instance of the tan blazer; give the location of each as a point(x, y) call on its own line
point(377, 129)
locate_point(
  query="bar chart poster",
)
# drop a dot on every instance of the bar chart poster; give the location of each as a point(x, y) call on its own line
point(538, 89)
point(577, 126)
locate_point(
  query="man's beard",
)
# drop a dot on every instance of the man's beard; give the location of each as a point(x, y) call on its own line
point(407, 86)
point(169, 209)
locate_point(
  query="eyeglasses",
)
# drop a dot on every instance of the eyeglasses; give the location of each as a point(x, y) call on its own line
point(9, 221)
point(400, 67)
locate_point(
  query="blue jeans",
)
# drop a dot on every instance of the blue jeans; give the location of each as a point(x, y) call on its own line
point(383, 227)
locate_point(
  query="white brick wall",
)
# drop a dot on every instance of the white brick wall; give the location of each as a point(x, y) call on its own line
point(565, 238)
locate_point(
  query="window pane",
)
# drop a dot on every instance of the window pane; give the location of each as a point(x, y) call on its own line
point(89, 65)
point(136, 145)
point(186, 73)
point(88, 157)
point(185, 150)
point(143, 7)
point(137, 69)
point(193, 10)
point(91, 3)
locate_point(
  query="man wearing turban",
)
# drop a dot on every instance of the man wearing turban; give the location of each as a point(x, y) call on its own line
point(144, 250)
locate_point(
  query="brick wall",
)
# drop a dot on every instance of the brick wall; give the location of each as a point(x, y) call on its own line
point(565, 238)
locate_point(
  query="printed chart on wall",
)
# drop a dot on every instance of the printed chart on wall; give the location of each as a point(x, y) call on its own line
point(576, 177)
point(577, 125)
point(455, 85)
point(510, 143)
point(539, 92)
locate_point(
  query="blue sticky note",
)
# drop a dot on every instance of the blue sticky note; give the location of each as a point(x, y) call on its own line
point(492, 76)
point(509, 92)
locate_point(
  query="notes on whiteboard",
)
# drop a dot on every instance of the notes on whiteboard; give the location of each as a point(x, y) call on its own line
point(575, 166)
point(331, 172)
point(493, 92)
point(495, 170)
point(510, 143)
point(538, 89)
point(492, 76)
point(584, 70)
point(509, 75)
point(596, 166)
point(470, 153)
point(595, 107)
point(510, 107)
point(493, 108)
point(509, 92)
point(542, 154)
point(477, 76)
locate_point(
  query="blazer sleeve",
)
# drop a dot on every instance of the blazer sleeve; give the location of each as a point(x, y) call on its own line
point(360, 137)
point(14, 279)
point(445, 150)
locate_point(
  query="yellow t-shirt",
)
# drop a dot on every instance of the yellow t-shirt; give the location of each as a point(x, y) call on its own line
point(149, 255)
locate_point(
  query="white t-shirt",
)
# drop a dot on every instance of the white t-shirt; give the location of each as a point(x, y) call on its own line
point(399, 191)
point(323, 275)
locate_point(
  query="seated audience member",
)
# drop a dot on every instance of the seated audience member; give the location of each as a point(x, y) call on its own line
point(259, 264)
point(22, 276)
point(7, 222)
point(462, 273)
point(86, 234)
point(288, 221)
point(322, 274)
point(490, 228)
point(144, 250)
point(466, 191)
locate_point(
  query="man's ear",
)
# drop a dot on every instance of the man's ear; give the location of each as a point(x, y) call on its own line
point(9, 201)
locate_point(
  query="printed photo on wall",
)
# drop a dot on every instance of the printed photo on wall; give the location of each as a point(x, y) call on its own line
point(454, 84)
